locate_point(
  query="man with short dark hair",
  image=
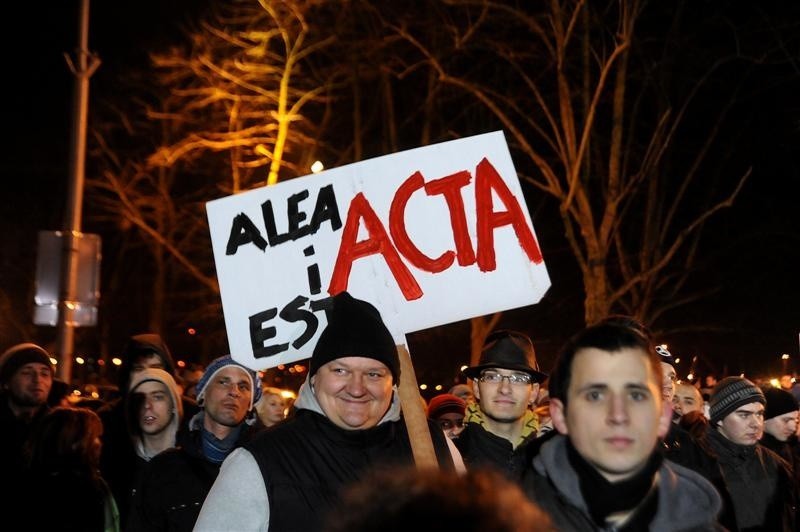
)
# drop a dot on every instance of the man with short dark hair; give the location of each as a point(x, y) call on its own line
point(760, 485)
point(347, 422)
point(603, 470)
point(501, 423)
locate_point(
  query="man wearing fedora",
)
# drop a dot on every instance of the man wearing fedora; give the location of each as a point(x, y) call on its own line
point(501, 423)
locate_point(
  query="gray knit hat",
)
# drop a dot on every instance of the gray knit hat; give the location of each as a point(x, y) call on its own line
point(729, 394)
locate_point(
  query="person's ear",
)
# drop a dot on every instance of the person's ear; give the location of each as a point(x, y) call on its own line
point(558, 414)
point(476, 391)
point(665, 419)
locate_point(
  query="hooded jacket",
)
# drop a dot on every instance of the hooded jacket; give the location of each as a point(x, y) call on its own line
point(118, 459)
point(686, 501)
point(293, 472)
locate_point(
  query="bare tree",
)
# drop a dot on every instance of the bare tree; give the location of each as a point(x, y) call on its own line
point(594, 123)
point(217, 115)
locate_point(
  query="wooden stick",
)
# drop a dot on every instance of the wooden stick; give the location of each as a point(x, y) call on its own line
point(413, 413)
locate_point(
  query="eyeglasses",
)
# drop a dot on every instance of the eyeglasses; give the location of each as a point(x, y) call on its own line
point(448, 424)
point(517, 379)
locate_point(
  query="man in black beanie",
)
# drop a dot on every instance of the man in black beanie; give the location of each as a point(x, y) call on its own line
point(347, 422)
point(26, 377)
point(759, 484)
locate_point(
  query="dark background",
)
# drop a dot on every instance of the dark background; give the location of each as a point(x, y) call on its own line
point(753, 247)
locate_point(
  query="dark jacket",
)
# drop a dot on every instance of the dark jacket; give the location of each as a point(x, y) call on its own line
point(175, 483)
point(76, 502)
point(118, 460)
point(481, 449)
point(306, 462)
point(759, 482)
point(684, 500)
point(15, 433)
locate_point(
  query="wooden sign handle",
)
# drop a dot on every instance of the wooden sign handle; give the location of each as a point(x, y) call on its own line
point(414, 415)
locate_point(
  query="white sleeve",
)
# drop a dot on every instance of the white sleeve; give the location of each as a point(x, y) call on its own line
point(457, 460)
point(238, 499)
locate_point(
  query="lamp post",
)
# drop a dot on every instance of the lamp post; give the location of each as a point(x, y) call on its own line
point(82, 68)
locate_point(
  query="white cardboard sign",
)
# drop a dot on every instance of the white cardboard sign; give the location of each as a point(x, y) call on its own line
point(429, 236)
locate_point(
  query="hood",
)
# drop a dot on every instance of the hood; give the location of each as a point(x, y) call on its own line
point(139, 345)
point(157, 375)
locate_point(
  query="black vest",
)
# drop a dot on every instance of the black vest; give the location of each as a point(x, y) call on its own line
point(307, 461)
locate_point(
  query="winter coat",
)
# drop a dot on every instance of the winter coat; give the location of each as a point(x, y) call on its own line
point(685, 500)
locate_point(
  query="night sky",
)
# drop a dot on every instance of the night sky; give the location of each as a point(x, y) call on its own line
point(754, 246)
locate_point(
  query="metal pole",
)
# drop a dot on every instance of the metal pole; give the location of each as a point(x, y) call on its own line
point(82, 69)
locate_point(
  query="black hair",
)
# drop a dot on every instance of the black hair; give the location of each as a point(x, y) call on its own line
point(611, 335)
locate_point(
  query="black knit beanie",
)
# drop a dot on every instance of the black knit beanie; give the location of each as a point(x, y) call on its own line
point(729, 394)
point(355, 329)
point(779, 402)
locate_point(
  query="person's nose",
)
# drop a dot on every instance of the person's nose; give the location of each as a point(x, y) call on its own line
point(505, 385)
point(355, 385)
point(617, 410)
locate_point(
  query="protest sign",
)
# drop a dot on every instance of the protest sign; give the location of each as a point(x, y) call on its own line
point(429, 236)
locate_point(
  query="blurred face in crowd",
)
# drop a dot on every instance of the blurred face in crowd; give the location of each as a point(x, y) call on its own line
point(614, 413)
point(146, 362)
point(354, 392)
point(504, 395)
point(227, 399)
point(687, 399)
point(745, 425)
point(786, 382)
point(782, 427)
point(464, 392)
point(452, 424)
point(30, 385)
point(272, 409)
point(668, 377)
point(155, 411)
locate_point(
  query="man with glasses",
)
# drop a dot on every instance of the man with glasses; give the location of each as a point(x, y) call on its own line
point(501, 423)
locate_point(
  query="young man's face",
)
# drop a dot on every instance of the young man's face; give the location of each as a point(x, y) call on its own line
point(30, 385)
point(144, 362)
point(745, 425)
point(668, 377)
point(155, 412)
point(227, 396)
point(615, 413)
point(687, 399)
point(354, 392)
point(504, 401)
point(782, 427)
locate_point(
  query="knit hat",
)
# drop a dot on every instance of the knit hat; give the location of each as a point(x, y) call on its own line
point(18, 355)
point(355, 329)
point(507, 349)
point(216, 366)
point(729, 394)
point(779, 402)
point(446, 403)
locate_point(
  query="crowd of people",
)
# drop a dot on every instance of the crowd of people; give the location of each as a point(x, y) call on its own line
point(607, 439)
